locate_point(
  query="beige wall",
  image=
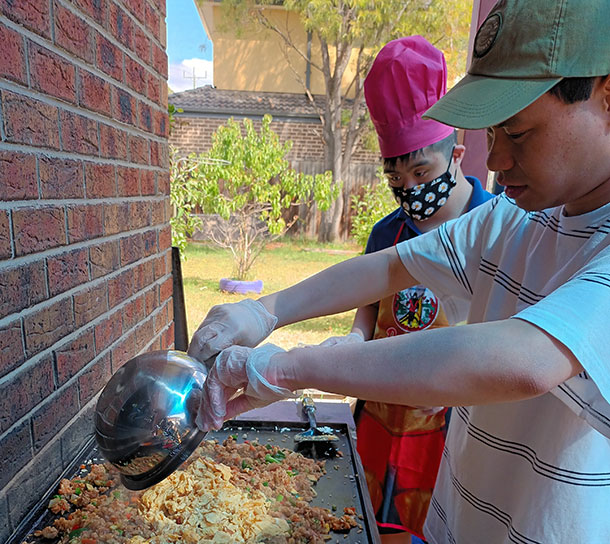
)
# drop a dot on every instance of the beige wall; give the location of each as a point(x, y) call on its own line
point(256, 60)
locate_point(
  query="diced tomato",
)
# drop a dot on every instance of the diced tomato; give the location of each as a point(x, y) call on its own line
point(88, 541)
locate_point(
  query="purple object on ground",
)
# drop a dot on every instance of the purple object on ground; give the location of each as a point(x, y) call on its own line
point(235, 286)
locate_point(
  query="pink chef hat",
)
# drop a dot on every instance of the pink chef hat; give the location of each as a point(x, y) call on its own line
point(407, 77)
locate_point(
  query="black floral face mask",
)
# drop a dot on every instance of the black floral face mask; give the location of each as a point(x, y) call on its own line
point(424, 200)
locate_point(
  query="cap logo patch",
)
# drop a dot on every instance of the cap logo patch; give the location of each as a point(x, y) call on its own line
point(487, 34)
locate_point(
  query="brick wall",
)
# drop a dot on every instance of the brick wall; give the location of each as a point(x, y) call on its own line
point(85, 258)
point(194, 135)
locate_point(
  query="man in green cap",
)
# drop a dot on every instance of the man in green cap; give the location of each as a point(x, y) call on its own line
point(527, 457)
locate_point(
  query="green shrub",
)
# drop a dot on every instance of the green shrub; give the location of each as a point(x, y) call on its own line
point(376, 202)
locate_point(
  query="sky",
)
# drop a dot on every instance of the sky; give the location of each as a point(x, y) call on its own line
point(188, 47)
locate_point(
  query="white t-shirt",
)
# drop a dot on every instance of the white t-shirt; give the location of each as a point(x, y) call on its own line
point(534, 471)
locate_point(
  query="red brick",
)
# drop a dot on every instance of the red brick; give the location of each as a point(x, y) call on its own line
point(53, 415)
point(12, 60)
point(134, 312)
point(113, 142)
point(22, 392)
point(155, 153)
point(123, 105)
point(72, 357)
point(120, 288)
point(29, 121)
point(94, 93)
point(153, 88)
point(78, 133)
point(15, 452)
point(61, 178)
point(45, 327)
point(33, 14)
point(37, 229)
point(165, 238)
point(166, 290)
point(123, 351)
point(148, 183)
point(17, 176)
point(151, 299)
point(162, 266)
point(163, 90)
point(96, 9)
point(146, 117)
point(144, 275)
point(160, 319)
point(90, 304)
point(163, 183)
point(159, 60)
point(120, 25)
point(67, 270)
point(161, 123)
point(138, 150)
point(157, 213)
point(161, 6)
point(51, 74)
point(108, 331)
point(136, 75)
point(109, 58)
point(137, 8)
point(100, 180)
point(116, 218)
point(153, 21)
point(73, 33)
point(12, 353)
point(85, 222)
point(144, 334)
point(139, 214)
point(104, 259)
point(142, 45)
point(21, 287)
point(149, 239)
point(6, 249)
point(167, 338)
point(94, 378)
point(132, 249)
point(128, 181)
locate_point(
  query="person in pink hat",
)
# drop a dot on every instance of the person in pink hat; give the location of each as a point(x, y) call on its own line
point(401, 446)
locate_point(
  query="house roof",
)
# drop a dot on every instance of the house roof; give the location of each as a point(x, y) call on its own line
point(210, 100)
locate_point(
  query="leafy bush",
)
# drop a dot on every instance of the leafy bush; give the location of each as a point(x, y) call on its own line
point(246, 184)
point(376, 202)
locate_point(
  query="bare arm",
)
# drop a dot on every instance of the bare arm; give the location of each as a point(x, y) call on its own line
point(365, 320)
point(351, 284)
point(486, 363)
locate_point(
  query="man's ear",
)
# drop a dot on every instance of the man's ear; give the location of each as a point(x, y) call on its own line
point(459, 151)
point(605, 85)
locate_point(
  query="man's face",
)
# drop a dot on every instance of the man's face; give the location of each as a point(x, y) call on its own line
point(422, 167)
point(553, 153)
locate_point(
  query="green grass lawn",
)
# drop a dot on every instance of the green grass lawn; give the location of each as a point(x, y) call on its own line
point(279, 266)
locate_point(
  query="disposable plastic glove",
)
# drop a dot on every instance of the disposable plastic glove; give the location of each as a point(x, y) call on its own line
point(351, 338)
point(243, 323)
point(237, 383)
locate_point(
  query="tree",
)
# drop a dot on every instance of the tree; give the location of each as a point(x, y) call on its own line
point(246, 184)
point(350, 33)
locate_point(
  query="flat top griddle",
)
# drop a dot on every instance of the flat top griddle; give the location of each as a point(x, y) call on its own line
point(342, 486)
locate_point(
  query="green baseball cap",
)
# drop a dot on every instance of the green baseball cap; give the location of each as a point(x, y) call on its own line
point(522, 49)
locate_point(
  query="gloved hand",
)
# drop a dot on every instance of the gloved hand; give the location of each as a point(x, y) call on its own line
point(242, 371)
point(243, 323)
point(351, 338)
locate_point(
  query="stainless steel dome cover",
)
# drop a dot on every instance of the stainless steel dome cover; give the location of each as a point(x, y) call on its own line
point(145, 416)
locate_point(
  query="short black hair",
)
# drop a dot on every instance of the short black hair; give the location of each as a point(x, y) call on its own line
point(444, 146)
point(573, 89)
